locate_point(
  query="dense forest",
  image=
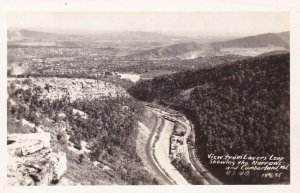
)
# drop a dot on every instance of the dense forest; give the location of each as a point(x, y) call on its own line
point(236, 108)
point(109, 127)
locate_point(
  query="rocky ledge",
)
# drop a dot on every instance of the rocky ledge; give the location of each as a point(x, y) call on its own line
point(71, 88)
point(31, 161)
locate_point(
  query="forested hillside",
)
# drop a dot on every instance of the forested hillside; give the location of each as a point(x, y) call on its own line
point(107, 125)
point(236, 108)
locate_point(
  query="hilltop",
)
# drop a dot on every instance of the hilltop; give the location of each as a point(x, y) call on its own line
point(263, 40)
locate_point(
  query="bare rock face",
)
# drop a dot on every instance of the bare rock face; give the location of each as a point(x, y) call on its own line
point(81, 114)
point(72, 88)
point(24, 144)
point(31, 160)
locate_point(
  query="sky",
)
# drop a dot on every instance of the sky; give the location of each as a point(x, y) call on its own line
point(192, 23)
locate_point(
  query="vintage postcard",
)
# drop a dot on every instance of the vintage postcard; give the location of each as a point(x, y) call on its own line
point(148, 98)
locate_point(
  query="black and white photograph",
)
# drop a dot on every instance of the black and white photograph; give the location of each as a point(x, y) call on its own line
point(148, 98)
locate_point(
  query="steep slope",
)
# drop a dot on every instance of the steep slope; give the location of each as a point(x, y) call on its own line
point(97, 127)
point(236, 108)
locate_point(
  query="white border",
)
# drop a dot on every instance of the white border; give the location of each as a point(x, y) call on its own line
point(292, 6)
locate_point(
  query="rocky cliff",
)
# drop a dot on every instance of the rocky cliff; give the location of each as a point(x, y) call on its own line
point(31, 161)
point(72, 88)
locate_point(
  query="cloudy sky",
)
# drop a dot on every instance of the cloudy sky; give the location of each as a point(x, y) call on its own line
point(202, 23)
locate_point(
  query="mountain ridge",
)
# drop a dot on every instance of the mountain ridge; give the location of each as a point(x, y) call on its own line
point(267, 40)
point(262, 40)
point(25, 34)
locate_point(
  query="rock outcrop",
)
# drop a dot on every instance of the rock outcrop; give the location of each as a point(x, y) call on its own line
point(31, 160)
point(72, 88)
point(79, 113)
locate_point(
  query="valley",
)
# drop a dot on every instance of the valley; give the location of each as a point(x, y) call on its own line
point(145, 108)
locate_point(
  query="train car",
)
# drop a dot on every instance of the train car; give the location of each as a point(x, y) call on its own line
point(169, 118)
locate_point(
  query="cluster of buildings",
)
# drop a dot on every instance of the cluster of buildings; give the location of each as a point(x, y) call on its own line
point(177, 141)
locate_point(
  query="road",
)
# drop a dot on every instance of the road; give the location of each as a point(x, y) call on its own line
point(161, 153)
point(163, 161)
point(163, 178)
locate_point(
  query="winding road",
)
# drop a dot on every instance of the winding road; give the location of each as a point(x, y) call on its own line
point(150, 157)
point(157, 150)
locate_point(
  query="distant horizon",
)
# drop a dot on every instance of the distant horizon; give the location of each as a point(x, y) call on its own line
point(169, 33)
point(175, 24)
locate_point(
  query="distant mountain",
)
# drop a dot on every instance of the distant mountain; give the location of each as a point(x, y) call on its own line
point(162, 46)
point(251, 46)
point(276, 52)
point(132, 36)
point(31, 35)
point(175, 50)
point(263, 40)
point(285, 36)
